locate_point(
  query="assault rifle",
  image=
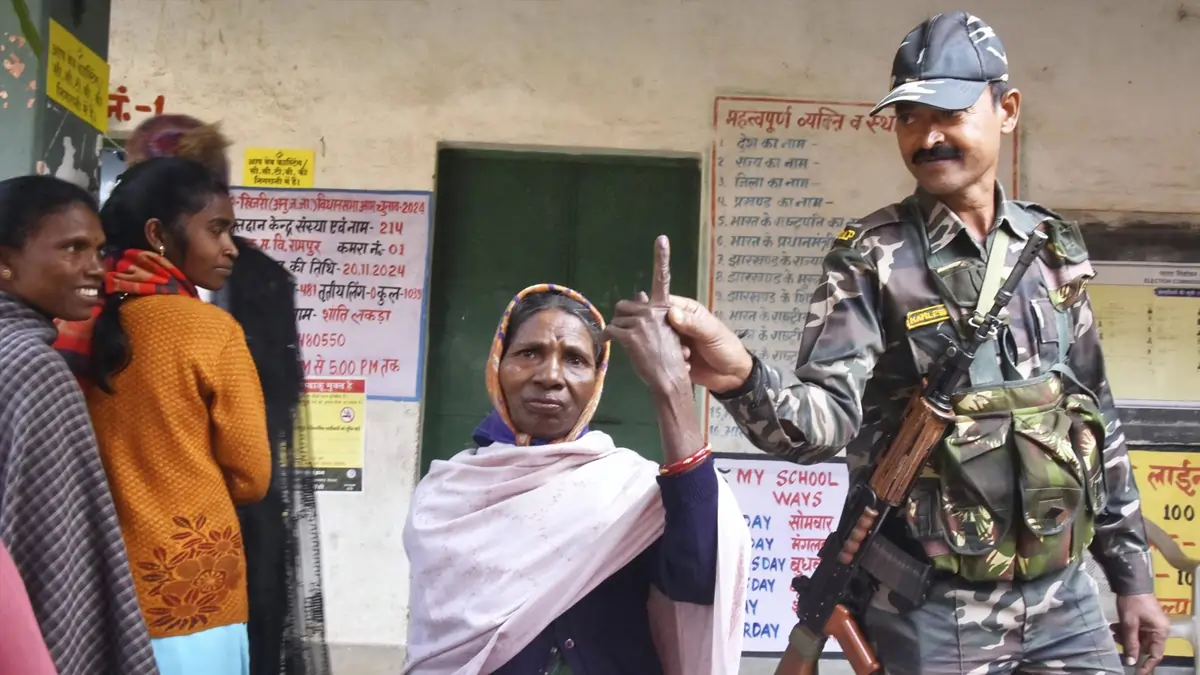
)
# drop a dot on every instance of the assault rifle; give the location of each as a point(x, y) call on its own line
point(822, 604)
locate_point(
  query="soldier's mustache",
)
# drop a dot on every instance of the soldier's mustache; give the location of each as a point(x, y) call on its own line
point(935, 153)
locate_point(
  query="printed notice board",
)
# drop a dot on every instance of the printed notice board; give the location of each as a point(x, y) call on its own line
point(790, 510)
point(1149, 319)
point(277, 167)
point(361, 262)
point(77, 78)
point(787, 176)
point(334, 415)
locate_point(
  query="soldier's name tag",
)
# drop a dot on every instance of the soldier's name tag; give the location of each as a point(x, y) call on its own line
point(926, 316)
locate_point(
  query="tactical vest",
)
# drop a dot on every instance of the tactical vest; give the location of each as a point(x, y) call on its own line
point(1013, 489)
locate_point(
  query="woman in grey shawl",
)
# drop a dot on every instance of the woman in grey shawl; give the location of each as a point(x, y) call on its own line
point(56, 513)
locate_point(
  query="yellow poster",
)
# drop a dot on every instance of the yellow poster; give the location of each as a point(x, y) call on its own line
point(77, 78)
point(332, 414)
point(278, 167)
point(1169, 482)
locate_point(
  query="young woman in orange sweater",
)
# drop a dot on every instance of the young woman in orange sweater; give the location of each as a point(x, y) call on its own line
point(178, 411)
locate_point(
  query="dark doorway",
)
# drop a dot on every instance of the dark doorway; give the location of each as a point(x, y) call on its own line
point(506, 220)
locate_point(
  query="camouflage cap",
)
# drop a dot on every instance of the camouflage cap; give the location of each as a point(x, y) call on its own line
point(946, 62)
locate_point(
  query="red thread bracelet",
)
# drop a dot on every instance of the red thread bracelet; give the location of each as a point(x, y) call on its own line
point(686, 463)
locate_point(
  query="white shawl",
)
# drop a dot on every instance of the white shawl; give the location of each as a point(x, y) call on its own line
point(504, 539)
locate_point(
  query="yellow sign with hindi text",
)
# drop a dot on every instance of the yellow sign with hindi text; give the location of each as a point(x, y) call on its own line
point(332, 417)
point(1168, 482)
point(77, 78)
point(278, 168)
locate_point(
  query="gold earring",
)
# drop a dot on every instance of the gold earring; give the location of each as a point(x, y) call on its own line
point(162, 250)
point(5, 274)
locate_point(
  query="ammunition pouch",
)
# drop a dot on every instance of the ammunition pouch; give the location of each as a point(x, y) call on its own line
point(1013, 489)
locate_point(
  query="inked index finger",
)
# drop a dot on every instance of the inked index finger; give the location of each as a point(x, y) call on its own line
point(660, 286)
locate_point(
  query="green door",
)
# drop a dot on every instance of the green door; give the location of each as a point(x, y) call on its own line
point(506, 220)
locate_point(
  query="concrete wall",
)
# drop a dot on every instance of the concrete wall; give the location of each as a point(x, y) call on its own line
point(1109, 123)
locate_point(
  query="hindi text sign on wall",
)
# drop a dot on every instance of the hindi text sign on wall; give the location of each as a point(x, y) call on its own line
point(279, 167)
point(361, 265)
point(1149, 319)
point(790, 511)
point(76, 77)
point(333, 414)
point(1168, 483)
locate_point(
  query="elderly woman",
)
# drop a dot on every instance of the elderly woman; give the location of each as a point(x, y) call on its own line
point(178, 412)
point(547, 549)
point(57, 517)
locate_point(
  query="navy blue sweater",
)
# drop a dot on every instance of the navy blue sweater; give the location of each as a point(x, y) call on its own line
point(608, 631)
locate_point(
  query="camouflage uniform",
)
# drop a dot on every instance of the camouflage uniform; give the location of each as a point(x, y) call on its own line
point(875, 325)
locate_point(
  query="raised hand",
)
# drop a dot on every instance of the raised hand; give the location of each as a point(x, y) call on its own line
point(641, 328)
point(716, 357)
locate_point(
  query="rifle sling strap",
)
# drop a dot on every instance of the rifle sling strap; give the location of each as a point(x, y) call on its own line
point(985, 369)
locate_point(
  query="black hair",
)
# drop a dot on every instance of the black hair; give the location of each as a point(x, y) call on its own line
point(260, 294)
point(539, 302)
point(1000, 89)
point(163, 188)
point(168, 189)
point(26, 200)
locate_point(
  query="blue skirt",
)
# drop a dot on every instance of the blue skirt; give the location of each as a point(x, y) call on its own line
point(216, 651)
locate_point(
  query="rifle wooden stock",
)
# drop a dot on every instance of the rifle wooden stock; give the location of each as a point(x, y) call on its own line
point(841, 627)
point(896, 470)
point(900, 465)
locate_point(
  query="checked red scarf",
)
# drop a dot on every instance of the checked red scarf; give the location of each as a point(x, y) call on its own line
point(133, 272)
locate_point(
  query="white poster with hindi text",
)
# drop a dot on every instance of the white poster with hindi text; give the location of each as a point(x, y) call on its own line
point(790, 511)
point(361, 263)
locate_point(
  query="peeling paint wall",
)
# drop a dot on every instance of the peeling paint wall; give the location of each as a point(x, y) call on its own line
point(18, 92)
point(20, 63)
point(37, 134)
point(1109, 123)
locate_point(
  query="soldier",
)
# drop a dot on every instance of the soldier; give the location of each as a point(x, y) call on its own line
point(1035, 470)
